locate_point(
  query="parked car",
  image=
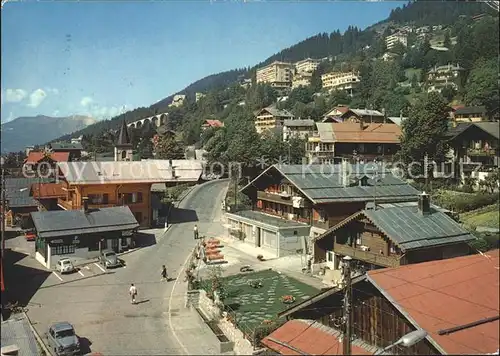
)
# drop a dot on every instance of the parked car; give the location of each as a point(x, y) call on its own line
point(109, 259)
point(65, 266)
point(30, 235)
point(62, 339)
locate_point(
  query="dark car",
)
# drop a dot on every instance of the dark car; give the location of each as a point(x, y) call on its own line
point(109, 259)
point(62, 339)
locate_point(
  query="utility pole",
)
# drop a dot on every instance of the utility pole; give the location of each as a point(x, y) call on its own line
point(3, 206)
point(235, 191)
point(347, 306)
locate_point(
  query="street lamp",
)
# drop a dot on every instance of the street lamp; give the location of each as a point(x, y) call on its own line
point(407, 340)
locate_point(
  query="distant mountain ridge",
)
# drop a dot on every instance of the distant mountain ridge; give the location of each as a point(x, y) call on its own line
point(319, 46)
point(37, 130)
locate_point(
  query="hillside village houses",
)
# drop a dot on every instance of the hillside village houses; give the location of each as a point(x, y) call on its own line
point(398, 37)
point(277, 74)
point(340, 81)
point(178, 100)
point(271, 118)
point(442, 76)
point(298, 128)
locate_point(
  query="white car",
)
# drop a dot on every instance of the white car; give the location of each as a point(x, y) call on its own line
point(65, 266)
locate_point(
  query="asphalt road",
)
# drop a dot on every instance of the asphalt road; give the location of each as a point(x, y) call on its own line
point(100, 307)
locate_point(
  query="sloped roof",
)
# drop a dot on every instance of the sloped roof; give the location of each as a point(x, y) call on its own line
point(17, 191)
point(35, 157)
point(398, 120)
point(444, 294)
point(60, 223)
point(370, 133)
point(123, 137)
point(298, 122)
point(468, 110)
point(364, 112)
point(145, 171)
point(274, 112)
point(491, 128)
point(17, 331)
point(339, 108)
point(308, 337)
point(410, 229)
point(214, 123)
point(325, 183)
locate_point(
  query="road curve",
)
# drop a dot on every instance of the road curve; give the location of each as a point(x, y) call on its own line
point(100, 307)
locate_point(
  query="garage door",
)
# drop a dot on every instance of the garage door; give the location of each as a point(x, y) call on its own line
point(247, 229)
point(269, 238)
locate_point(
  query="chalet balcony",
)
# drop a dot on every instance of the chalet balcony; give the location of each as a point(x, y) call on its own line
point(275, 197)
point(66, 204)
point(472, 152)
point(366, 256)
point(284, 216)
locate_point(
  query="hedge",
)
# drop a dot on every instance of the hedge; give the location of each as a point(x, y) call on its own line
point(462, 203)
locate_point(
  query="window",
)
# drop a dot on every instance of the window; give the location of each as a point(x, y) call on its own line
point(131, 198)
point(124, 154)
point(98, 199)
point(63, 249)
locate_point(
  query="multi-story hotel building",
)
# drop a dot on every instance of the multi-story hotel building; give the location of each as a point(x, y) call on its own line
point(340, 81)
point(398, 37)
point(308, 65)
point(301, 79)
point(277, 74)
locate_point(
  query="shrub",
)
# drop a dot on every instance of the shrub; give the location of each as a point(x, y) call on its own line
point(462, 203)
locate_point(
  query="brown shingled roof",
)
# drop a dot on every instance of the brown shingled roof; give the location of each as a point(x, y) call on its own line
point(448, 293)
point(309, 338)
point(371, 133)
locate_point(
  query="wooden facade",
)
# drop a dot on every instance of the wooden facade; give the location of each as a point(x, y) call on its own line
point(363, 241)
point(136, 196)
point(374, 319)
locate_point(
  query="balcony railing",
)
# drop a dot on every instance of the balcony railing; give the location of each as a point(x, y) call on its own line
point(70, 205)
point(366, 256)
point(481, 152)
point(274, 197)
point(66, 204)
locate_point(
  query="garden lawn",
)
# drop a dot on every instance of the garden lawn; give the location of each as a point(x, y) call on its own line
point(254, 305)
point(486, 217)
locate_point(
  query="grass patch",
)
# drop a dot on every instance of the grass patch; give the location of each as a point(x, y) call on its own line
point(251, 306)
point(486, 217)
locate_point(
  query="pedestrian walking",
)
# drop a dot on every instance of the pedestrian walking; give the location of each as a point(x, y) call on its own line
point(164, 276)
point(195, 232)
point(133, 293)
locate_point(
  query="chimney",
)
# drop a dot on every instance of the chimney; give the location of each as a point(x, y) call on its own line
point(85, 203)
point(424, 204)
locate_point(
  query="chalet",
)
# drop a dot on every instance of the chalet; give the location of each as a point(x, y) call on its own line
point(43, 164)
point(476, 147)
point(211, 124)
point(19, 202)
point(271, 118)
point(82, 233)
point(456, 301)
point(469, 114)
point(306, 201)
point(108, 184)
point(73, 148)
point(357, 142)
point(389, 235)
point(364, 115)
point(47, 194)
point(297, 129)
point(335, 114)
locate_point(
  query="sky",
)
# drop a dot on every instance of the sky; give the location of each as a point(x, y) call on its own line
point(101, 58)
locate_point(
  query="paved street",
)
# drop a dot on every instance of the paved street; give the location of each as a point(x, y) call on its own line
point(100, 307)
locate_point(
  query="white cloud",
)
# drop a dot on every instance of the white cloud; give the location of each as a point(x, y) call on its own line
point(14, 95)
point(37, 97)
point(54, 91)
point(107, 112)
point(86, 101)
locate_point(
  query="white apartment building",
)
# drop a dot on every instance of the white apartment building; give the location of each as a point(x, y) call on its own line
point(277, 74)
point(301, 80)
point(340, 81)
point(398, 37)
point(199, 96)
point(307, 65)
point(178, 100)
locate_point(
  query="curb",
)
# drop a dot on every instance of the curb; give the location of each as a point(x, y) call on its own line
point(76, 280)
point(37, 337)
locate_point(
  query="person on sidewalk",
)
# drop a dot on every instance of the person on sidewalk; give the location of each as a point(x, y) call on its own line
point(164, 276)
point(133, 293)
point(196, 232)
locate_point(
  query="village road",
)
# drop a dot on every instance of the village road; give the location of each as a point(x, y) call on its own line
point(100, 307)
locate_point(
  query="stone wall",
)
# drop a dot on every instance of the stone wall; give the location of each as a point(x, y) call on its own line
point(241, 345)
point(207, 306)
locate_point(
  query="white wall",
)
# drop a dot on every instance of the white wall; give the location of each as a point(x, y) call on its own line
point(289, 242)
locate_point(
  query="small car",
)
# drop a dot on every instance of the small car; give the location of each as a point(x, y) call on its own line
point(62, 339)
point(109, 259)
point(65, 266)
point(30, 235)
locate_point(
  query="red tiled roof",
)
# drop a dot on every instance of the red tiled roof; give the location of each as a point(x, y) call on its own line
point(213, 123)
point(308, 339)
point(444, 294)
point(47, 190)
point(35, 157)
point(371, 133)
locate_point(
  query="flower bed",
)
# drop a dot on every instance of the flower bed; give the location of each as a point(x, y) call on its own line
point(288, 299)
